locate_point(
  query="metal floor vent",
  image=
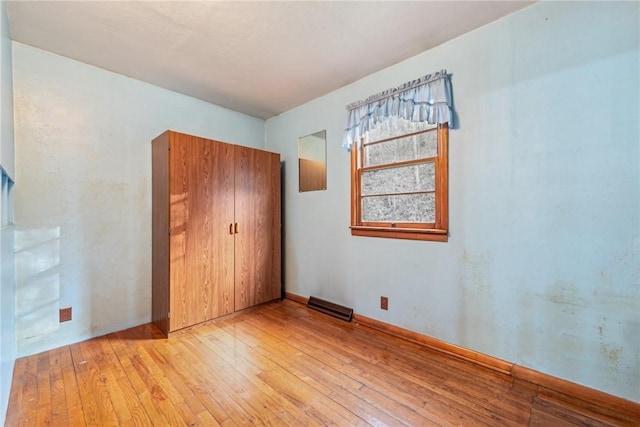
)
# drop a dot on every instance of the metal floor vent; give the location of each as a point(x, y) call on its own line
point(330, 308)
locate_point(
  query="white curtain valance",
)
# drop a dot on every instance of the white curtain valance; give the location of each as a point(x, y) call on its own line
point(427, 99)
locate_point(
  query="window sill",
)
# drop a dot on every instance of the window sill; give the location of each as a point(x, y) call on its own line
point(433, 235)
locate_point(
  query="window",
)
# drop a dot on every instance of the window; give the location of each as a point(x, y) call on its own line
point(398, 140)
point(399, 181)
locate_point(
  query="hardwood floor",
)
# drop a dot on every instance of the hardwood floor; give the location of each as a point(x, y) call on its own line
point(279, 364)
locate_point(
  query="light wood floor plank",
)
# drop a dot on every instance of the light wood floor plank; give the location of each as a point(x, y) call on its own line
point(408, 362)
point(166, 372)
point(331, 381)
point(121, 391)
point(96, 408)
point(277, 365)
point(43, 415)
point(432, 406)
point(323, 379)
point(24, 392)
point(203, 382)
point(225, 385)
point(59, 412)
point(75, 412)
point(259, 400)
point(292, 393)
point(147, 397)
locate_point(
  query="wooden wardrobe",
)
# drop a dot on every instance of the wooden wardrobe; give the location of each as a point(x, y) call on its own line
point(216, 229)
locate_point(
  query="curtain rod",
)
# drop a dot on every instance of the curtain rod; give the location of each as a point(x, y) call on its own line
point(404, 87)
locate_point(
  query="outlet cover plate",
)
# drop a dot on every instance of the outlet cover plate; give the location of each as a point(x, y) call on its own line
point(65, 314)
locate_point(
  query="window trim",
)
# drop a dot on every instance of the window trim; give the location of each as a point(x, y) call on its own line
point(437, 231)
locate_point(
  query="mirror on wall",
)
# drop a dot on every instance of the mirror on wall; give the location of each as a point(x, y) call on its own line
point(312, 162)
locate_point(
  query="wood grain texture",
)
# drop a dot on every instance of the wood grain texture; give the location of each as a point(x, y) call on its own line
point(410, 234)
point(355, 188)
point(553, 388)
point(279, 364)
point(442, 178)
point(445, 347)
point(216, 229)
point(257, 213)
point(297, 298)
point(160, 231)
point(312, 175)
point(550, 392)
point(211, 250)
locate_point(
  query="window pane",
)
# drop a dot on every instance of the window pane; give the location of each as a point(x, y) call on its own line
point(396, 126)
point(410, 148)
point(403, 179)
point(401, 208)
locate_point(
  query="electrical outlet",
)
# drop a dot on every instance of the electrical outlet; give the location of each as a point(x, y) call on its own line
point(65, 314)
point(384, 303)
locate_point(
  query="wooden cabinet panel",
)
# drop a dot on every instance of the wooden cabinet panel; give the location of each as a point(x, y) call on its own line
point(257, 245)
point(216, 229)
point(160, 232)
point(201, 198)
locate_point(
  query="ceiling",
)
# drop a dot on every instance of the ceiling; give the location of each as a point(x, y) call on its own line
point(260, 58)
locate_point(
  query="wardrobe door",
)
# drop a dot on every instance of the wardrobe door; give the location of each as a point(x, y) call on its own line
point(201, 254)
point(216, 251)
point(257, 213)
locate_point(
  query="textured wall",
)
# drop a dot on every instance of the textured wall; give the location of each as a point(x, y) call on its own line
point(83, 202)
point(7, 158)
point(543, 262)
point(7, 274)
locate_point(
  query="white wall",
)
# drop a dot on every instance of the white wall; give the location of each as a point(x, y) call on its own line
point(83, 198)
point(7, 316)
point(7, 158)
point(7, 265)
point(543, 262)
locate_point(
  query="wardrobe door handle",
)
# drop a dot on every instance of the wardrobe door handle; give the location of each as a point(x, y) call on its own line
point(230, 228)
point(236, 230)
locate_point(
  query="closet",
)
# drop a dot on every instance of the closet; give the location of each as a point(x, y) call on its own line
point(215, 229)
